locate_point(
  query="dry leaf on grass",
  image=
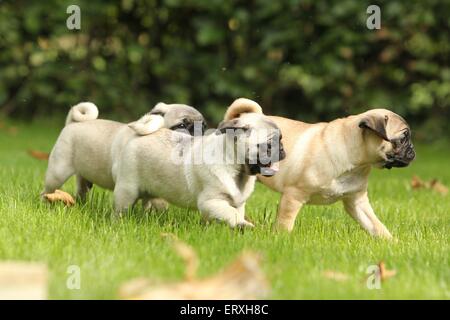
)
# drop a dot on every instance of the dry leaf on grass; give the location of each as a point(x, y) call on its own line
point(335, 275)
point(11, 130)
point(187, 253)
point(242, 279)
point(434, 184)
point(382, 273)
point(438, 187)
point(59, 195)
point(23, 281)
point(38, 154)
point(385, 273)
point(417, 183)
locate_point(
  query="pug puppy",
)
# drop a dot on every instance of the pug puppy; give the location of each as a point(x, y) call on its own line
point(89, 147)
point(215, 173)
point(332, 161)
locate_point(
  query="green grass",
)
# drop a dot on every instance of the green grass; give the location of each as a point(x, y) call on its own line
point(325, 238)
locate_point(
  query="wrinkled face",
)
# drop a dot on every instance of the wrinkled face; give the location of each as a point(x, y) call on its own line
point(399, 150)
point(260, 140)
point(181, 117)
point(265, 154)
point(396, 148)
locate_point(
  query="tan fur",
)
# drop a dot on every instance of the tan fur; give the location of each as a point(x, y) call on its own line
point(89, 147)
point(147, 124)
point(219, 190)
point(240, 106)
point(327, 162)
point(83, 111)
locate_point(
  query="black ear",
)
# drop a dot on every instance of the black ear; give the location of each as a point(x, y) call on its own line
point(231, 125)
point(377, 124)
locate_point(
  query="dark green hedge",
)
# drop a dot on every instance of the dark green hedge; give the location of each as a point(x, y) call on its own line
point(311, 60)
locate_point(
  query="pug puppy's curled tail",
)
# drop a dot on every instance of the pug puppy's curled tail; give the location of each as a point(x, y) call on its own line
point(81, 112)
point(147, 124)
point(240, 106)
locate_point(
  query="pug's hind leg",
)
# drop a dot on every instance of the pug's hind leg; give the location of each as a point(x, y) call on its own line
point(59, 170)
point(360, 209)
point(221, 210)
point(156, 204)
point(125, 196)
point(83, 187)
point(287, 212)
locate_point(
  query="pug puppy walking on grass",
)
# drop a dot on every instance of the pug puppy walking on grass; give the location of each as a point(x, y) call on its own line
point(327, 162)
point(89, 147)
point(203, 172)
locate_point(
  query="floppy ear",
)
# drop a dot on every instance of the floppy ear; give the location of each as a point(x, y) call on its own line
point(231, 125)
point(147, 124)
point(240, 106)
point(377, 124)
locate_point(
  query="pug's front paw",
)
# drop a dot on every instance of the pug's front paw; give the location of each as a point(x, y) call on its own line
point(244, 224)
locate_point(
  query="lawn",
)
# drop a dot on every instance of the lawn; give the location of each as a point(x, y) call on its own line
point(325, 237)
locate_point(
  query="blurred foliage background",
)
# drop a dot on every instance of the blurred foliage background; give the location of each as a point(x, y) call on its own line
point(306, 59)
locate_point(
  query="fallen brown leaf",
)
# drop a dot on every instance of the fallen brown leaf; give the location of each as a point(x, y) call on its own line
point(23, 281)
point(438, 187)
point(335, 275)
point(384, 272)
point(417, 183)
point(11, 130)
point(243, 279)
point(38, 154)
point(59, 195)
point(187, 253)
point(434, 184)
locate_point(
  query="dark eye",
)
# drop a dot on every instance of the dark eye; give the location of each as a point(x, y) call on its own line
point(404, 139)
point(405, 136)
point(178, 126)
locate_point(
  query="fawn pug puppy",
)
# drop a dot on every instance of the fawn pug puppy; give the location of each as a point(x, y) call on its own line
point(215, 173)
point(327, 162)
point(89, 147)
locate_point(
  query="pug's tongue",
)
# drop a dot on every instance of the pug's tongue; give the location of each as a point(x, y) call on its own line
point(270, 171)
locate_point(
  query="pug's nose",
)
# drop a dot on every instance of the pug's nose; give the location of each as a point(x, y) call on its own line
point(282, 154)
point(410, 154)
